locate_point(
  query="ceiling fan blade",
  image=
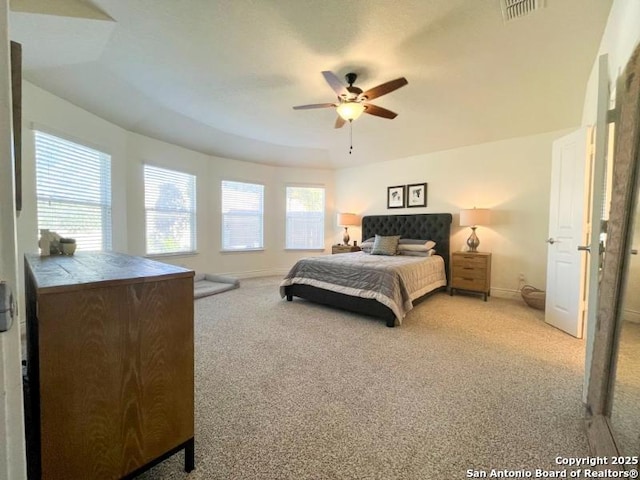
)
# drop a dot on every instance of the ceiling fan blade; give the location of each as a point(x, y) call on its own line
point(339, 122)
point(385, 88)
point(379, 111)
point(314, 105)
point(334, 82)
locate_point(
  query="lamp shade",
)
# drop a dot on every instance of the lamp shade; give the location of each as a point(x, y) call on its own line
point(350, 110)
point(471, 217)
point(348, 219)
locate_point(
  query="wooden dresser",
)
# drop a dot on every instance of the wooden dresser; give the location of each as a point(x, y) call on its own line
point(110, 365)
point(471, 272)
point(344, 249)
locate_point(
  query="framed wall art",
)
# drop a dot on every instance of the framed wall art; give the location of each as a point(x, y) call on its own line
point(417, 195)
point(395, 196)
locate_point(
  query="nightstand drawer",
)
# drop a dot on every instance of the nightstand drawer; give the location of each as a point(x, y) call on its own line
point(467, 283)
point(465, 272)
point(470, 261)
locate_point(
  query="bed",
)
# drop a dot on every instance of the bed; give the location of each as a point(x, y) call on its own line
point(323, 279)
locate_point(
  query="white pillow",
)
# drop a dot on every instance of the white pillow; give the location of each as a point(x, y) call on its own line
point(417, 254)
point(424, 247)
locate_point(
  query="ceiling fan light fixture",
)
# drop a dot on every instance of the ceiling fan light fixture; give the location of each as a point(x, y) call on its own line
point(350, 110)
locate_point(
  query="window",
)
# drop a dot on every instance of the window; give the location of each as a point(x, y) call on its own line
point(170, 211)
point(305, 218)
point(73, 188)
point(242, 216)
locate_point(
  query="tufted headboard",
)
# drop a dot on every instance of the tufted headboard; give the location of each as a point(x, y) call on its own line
point(427, 226)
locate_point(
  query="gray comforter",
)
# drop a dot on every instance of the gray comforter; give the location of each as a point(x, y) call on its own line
point(394, 281)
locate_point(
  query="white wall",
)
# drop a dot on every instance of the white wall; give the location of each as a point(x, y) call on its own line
point(130, 151)
point(210, 171)
point(43, 111)
point(620, 37)
point(511, 177)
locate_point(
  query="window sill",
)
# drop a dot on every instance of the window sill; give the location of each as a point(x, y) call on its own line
point(304, 249)
point(172, 254)
point(243, 250)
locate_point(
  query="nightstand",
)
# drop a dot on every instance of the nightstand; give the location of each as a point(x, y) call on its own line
point(471, 272)
point(344, 249)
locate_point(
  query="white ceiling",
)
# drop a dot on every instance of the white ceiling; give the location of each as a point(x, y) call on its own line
point(221, 76)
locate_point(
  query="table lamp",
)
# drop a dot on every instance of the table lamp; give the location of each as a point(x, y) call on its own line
point(472, 217)
point(346, 220)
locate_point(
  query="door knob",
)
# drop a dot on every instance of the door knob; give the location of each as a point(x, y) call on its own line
point(634, 251)
point(550, 241)
point(584, 248)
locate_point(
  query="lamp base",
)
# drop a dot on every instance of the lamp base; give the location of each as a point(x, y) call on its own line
point(473, 241)
point(345, 236)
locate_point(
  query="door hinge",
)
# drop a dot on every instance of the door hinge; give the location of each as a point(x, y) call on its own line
point(7, 307)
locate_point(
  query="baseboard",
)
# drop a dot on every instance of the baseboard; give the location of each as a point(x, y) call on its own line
point(257, 273)
point(506, 293)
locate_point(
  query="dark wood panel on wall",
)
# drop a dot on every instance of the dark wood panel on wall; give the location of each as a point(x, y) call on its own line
point(16, 91)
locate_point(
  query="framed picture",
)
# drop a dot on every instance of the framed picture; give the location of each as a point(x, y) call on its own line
point(417, 195)
point(395, 197)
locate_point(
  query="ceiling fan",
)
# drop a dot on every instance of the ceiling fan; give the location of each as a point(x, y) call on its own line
point(353, 101)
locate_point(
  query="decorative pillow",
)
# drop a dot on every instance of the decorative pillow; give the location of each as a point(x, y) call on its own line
point(429, 244)
point(413, 248)
point(410, 253)
point(385, 245)
point(367, 244)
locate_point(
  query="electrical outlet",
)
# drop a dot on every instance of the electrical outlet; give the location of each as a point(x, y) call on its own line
point(521, 277)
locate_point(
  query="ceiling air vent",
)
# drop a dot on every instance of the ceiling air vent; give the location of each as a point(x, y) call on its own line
point(512, 9)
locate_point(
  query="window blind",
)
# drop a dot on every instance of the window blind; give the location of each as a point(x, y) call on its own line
point(242, 216)
point(170, 211)
point(73, 189)
point(304, 217)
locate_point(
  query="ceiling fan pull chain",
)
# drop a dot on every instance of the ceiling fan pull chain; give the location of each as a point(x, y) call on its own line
point(350, 136)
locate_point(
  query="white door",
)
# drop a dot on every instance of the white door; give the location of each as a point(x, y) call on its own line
point(565, 302)
point(12, 452)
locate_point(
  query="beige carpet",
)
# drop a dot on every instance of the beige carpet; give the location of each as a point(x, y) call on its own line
point(294, 390)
